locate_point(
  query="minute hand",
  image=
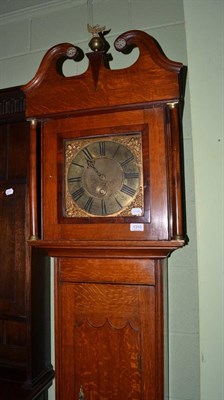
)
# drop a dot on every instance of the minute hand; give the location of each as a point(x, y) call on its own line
point(91, 164)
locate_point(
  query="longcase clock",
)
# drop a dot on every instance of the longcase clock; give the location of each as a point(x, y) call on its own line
point(111, 212)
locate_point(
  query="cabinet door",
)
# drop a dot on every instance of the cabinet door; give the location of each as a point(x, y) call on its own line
point(107, 342)
point(14, 144)
point(12, 245)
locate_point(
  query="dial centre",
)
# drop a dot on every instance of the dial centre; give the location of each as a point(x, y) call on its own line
point(103, 178)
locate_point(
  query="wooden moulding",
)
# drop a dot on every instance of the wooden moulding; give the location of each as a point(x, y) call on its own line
point(85, 249)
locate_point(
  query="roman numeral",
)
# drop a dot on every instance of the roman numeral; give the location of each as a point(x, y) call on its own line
point(118, 203)
point(103, 208)
point(78, 193)
point(87, 154)
point(131, 175)
point(88, 204)
point(116, 151)
point(128, 190)
point(127, 161)
point(102, 148)
point(78, 165)
point(75, 179)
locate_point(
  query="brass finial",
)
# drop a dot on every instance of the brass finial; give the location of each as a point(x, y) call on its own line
point(97, 42)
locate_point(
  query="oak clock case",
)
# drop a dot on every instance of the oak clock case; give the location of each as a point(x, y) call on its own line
point(111, 160)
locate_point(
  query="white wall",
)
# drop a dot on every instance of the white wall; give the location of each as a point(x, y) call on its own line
point(26, 34)
point(205, 44)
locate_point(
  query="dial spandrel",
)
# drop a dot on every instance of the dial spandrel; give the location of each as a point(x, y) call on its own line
point(103, 176)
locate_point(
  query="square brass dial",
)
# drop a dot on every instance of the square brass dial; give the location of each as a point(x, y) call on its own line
point(103, 176)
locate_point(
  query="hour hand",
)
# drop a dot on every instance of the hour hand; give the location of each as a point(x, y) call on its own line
point(91, 164)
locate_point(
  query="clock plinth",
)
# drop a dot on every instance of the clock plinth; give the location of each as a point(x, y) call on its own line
point(112, 211)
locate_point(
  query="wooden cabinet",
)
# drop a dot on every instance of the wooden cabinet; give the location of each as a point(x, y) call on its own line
point(109, 232)
point(24, 285)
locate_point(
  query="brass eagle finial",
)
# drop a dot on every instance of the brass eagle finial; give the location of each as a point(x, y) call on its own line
point(97, 42)
point(96, 29)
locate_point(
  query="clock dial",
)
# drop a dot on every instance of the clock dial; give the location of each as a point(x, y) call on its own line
point(103, 177)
